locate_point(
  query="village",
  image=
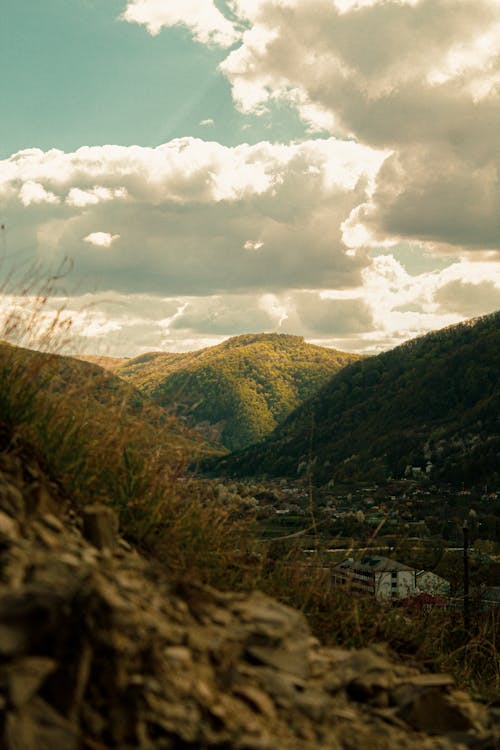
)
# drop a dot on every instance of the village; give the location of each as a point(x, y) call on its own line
point(397, 541)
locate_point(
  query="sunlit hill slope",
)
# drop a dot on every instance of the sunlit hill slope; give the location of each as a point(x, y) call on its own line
point(239, 390)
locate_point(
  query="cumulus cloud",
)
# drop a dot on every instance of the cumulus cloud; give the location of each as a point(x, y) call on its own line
point(80, 198)
point(217, 241)
point(304, 237)
point(33, 193)
point(201, 17)
point(419, 78)
point(253, 245)
point(195, 217)
point(101, 239)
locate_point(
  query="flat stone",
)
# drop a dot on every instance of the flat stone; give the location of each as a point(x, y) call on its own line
point(428, 680)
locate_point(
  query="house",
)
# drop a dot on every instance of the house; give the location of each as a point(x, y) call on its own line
point(379, 576)
point(431, 583)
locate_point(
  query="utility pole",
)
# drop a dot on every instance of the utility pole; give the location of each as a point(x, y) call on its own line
point(466, 579)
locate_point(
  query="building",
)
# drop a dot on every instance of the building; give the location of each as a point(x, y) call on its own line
point(431, 583)
point(378, 576)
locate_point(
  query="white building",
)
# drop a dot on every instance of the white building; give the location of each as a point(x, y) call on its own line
point(379, 576)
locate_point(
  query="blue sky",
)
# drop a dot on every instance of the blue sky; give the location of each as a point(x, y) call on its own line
point(328, 168)
point(74, 74)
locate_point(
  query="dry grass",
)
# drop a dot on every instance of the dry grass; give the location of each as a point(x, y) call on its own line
point(102, 441)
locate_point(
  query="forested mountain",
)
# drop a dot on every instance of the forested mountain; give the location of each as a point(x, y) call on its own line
point(241, 389)
point(431, 403)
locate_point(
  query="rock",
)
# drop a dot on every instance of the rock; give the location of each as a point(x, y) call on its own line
point(258, 700)
point(9, 529)
point(433, 712)
point(99, 651)
point(11, 500)
point(294, 662)
point(50, 520)
point(25, 676)
point(39, 727)
point(100, 526)
point(27, 617)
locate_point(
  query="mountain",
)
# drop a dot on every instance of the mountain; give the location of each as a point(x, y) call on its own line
point(238, 391)
point(431, 403)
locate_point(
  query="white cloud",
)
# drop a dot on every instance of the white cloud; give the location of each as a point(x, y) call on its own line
point(417, 78)
point(253, 245)
point(201, 17)
point(34, 193)
point(186, 211)
point(80, 198)
point(101, 239)
point(209, 123)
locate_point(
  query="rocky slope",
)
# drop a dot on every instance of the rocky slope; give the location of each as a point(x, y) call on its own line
point(100, 650)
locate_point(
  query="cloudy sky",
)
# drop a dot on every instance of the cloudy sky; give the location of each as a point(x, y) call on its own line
point(329, 168)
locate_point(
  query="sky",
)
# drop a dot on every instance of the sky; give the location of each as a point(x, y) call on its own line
point(198, 170)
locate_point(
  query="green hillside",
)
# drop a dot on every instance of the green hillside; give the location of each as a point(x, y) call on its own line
point(237, 392)
point(432, 402)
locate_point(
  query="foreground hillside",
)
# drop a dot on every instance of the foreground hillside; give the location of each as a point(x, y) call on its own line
point(432, 404)
point(102, 650)
point(97, 434)
point(241, 389)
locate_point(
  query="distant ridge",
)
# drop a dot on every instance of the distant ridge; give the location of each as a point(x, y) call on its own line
point(431, 404)
point(108, 363)
point(238, 391)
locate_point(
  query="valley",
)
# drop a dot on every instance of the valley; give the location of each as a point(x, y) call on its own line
point(85, 452)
